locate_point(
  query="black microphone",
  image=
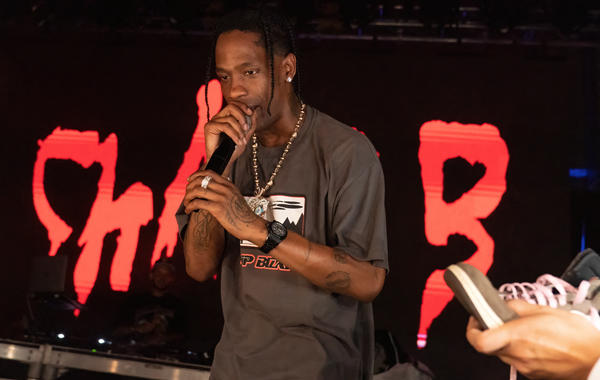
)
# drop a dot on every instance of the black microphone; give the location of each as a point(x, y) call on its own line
point(220, 158)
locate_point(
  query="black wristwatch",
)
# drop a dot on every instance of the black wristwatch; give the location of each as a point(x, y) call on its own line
point(276, 234)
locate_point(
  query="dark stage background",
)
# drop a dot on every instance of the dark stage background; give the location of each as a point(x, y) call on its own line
point(143, 87)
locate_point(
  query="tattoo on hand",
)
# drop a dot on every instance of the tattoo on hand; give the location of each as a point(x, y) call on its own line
point(337, 281)
point(239, 210)
point(339, 256)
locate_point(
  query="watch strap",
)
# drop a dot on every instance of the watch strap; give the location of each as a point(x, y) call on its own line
point(276, 233)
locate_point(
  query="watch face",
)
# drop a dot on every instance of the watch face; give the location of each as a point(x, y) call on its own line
point(278, 229)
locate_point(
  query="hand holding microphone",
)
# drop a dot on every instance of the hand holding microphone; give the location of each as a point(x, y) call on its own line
point(226, 137)
point(229, 129)
point(221, 156)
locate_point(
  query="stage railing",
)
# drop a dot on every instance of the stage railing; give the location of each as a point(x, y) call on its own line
point(47, 362)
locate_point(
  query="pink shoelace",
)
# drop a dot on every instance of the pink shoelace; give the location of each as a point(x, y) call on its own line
point(554, 292)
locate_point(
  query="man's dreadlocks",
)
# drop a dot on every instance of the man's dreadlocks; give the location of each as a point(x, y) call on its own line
point(276, 32)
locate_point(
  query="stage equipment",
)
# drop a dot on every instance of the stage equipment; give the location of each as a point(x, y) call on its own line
point(47, 362)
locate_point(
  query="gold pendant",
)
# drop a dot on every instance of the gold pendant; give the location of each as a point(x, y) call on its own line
point(259, 205)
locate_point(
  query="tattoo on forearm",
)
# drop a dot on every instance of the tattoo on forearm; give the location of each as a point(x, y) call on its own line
point(238, 210)
point(204, 223)
point(337, 281)
point(339, 256)
point(308, 252)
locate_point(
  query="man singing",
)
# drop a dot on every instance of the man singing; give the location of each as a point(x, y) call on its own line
point(299, 229)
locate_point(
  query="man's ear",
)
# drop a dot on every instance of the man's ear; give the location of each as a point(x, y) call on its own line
point(288, 66)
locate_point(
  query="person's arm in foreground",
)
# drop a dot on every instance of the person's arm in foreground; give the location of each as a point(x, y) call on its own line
point(544, 343)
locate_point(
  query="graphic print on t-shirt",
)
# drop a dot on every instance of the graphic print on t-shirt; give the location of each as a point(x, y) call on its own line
point(287, 210)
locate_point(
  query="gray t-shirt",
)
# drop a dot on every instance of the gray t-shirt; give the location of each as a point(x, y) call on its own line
point(278, 325)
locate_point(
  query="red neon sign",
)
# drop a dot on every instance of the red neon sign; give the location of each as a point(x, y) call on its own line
point(441, 141)
point(167, 233)
point(126, 214)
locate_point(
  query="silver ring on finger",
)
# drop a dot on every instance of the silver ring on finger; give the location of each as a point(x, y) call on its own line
point(205, 181)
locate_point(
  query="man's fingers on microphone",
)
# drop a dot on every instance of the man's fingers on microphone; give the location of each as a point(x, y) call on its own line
point(215, 177)
point(205, 199)
point(228, 125)
point(214, 192)
point(196, 174)
point(194, 192)
point(236, 135)
point(201, 173)
point(193, 176)
point(217, 183)
point(222, 188)
point(197, 204)
point(242, 107)
point(238, 113)
point(235, 123)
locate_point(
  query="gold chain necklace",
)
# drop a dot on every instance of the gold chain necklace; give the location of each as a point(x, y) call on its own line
point(257, 202)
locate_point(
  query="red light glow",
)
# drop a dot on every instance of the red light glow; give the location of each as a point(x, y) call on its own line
point(167, 233)
point(441, 141)
point(126, 214)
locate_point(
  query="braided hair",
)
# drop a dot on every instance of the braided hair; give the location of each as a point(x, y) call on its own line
point(276, 33)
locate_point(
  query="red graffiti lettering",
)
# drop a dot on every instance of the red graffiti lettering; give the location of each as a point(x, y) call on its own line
point(126, 214)
point(167, 233)
point(441, 141)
